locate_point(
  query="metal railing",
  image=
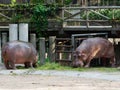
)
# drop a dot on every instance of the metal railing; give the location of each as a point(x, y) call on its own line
point(79, 17)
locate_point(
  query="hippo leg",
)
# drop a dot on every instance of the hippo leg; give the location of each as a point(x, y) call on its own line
point(7, 64)
point(31, 64)
point(27, 64)
point(112, 61)
point(34, 65)
point(88, 62)
point(12, 65)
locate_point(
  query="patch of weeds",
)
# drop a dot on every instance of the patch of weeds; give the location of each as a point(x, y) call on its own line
point(104, 69)
point(99, 69)
point(53, 66)
point(20, 67)
point(56, 66)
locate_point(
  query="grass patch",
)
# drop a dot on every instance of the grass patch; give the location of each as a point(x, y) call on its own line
point(20, 67)
point(53, 66)
point(56, 66)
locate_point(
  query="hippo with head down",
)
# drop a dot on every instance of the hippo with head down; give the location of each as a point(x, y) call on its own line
point(93, 48)
point(19, 52)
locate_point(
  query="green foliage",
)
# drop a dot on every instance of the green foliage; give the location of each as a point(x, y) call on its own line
point(105, 12)
point(116, 14)
point(38, 14)
point(53, 66)
point(13, 2)
point(15, 18)
point(37, 1)
point(67, 2)
point(39, 18)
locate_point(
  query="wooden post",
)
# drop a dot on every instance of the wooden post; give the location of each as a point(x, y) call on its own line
point(42, 50)
point(13, 32)
point(3, 41)
point(4, 38)
point(33, 39)
point(23, 32)
point(52, 48)
point(0, 49)
point(87, 18)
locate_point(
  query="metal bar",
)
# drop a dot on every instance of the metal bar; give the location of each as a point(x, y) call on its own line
point(93, 7)
point(63, 46)
point(63, 60)
point(63, 39)
point(4, 27)
point(90, 29)
point(79, 20)
point(60, 51)
point(87, 26)
point(89, 34)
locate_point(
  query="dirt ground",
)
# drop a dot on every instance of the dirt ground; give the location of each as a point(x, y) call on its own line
point(57, 80)
point(49, 82)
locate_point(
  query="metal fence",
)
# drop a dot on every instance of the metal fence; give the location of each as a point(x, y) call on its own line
point(73, 2)
point(96, 2)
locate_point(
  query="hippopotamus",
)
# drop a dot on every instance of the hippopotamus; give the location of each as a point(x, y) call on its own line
point(19, 52)
point(90, 48)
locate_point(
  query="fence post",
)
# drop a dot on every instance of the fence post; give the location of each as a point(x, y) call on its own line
point(42, 50)
point(0, 49)
point(52, 48)
point(23, 32)
point(4, 38)
point(13, 32)
point(33, 39)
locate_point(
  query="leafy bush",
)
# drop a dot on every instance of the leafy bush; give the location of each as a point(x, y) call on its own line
point(39, 18)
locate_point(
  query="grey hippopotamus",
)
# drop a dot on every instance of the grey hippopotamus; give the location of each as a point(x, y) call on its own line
point(19, 52)
point(93, 48)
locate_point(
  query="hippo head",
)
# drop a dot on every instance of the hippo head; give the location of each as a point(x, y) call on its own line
point(78, 59)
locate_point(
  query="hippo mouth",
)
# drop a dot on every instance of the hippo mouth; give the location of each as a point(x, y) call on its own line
point(76, 65)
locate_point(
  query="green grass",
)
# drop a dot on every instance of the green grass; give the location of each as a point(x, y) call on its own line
point(56, 66)
point(53, 66)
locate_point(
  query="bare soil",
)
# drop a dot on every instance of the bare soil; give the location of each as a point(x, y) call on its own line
point(58, 80)
point(40, 82)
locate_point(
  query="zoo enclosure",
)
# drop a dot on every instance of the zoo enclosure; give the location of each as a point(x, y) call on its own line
point(65, 46)
point(60, 49)
point(72, 21)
